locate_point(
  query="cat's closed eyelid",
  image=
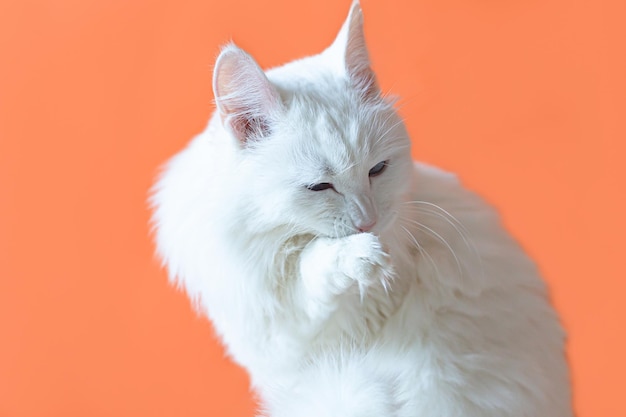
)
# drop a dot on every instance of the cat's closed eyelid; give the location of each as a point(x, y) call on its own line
point(379, 168)
point(320, 186)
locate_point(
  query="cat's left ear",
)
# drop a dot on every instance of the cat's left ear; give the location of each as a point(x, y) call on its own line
point(350, 48)
point(245, 98)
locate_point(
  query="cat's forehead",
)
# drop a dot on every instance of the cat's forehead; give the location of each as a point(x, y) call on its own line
point(327, 123)
point(331, 134)
point(330, 112)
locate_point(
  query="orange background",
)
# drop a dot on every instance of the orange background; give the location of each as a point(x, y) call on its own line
point(524, 99)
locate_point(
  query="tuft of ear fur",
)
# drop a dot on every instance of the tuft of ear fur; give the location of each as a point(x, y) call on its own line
point(352, 50)
point(245, 98)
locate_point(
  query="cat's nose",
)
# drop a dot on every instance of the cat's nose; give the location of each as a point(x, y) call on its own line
point(362, 212)
point(366, 227)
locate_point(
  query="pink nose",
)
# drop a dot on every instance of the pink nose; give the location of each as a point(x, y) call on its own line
point(366, 227)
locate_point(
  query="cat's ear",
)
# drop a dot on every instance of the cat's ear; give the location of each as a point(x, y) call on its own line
point(350, 48)
point(245, 98)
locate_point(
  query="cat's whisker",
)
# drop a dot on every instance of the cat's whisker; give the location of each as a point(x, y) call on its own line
point(438, 207)
point(457, 227)
point(441, 210)
point(441, 213)
point(433, 233)
point(447, 217)
point(422, 250)
point(459, 230)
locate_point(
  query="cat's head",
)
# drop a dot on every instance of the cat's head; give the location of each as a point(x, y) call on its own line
point(320, 149)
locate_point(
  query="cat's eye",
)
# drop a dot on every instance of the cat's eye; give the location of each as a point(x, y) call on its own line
point(320, 187)
point(378, 168)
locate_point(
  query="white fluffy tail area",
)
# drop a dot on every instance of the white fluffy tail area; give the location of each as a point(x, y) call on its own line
point(331, 389)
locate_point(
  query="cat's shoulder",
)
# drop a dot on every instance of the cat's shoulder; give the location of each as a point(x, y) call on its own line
point(432, 171)
point(439, 186)
point(427, 176)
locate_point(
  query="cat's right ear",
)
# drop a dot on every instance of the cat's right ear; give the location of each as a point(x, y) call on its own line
point(245, 98)
point(350, 50)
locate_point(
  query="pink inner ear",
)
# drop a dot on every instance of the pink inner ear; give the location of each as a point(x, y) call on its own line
point(244, 96)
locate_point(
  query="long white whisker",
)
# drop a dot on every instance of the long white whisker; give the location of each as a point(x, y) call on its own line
point(442, 213)
point(447, 220)
point(427, 229)
point(422, 250)
point(437, 207)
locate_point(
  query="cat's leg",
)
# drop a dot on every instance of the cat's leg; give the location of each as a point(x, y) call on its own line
point(333, 267)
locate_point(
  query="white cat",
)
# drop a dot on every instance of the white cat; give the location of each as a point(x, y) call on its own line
point(348, 280)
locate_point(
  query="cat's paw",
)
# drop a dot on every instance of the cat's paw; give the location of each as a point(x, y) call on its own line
point(363, 260)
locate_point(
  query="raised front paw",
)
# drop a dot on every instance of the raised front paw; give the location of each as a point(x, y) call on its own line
point(362, 259)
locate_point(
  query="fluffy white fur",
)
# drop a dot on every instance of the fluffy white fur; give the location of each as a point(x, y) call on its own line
point(432, 310)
